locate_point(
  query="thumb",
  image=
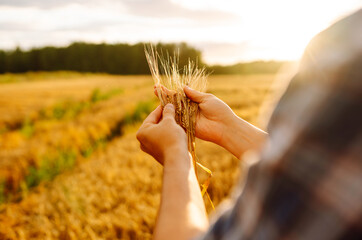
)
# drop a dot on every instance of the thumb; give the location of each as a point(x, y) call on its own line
point(194, 95)
point(169, 111)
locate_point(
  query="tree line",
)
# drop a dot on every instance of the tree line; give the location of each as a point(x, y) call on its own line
point(119, 58)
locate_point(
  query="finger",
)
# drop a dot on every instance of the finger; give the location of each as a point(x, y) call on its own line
point(157, 89)
point(163, 93)
point(154, 116)
point(168, 91)
point(160, 95)
point(169, 111)
point(194, 95)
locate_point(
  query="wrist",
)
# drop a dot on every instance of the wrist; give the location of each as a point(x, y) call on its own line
point(240, 136)
point(177, 157)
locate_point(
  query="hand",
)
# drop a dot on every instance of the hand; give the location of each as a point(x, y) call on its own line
point(161, 136)
point(217, 123)
point(214, 116)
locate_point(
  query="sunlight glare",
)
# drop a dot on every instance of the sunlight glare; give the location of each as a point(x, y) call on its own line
point(280, 29)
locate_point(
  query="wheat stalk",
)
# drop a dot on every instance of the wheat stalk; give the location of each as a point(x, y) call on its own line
point(169, 83)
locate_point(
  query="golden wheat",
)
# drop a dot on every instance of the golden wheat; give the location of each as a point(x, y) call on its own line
point(115, 193)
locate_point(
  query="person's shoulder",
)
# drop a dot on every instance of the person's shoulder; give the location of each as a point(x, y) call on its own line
point(338, 44)
point(346, 31)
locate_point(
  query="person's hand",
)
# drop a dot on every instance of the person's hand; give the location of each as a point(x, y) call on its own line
point(160, 135)
point(214, 116)
point(217, 123)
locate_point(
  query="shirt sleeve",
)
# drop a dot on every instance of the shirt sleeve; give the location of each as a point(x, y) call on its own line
point(307, 183)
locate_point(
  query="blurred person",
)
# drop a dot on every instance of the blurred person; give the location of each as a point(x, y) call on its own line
point(307, 182)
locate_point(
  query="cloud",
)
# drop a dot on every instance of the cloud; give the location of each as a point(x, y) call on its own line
point(167, 9)
point(14, 26)
point(39, 3)
point(244, 51)
point(132, 21)
point(226, 31)
point(151, 9)
point(224, 52)
point(154, 9)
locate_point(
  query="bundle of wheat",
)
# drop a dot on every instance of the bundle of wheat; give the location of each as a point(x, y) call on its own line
point(169, 84)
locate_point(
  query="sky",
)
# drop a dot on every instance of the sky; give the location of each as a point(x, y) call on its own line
point(226, 31)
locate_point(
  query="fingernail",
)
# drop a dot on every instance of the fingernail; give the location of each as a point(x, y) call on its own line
point(187, 87)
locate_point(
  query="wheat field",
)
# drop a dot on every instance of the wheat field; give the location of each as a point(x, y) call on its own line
point(71, 167)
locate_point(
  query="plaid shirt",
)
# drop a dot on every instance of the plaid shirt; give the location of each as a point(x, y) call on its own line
point(308, 182)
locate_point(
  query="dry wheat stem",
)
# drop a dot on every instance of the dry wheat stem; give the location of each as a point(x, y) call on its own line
point(169, 86)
